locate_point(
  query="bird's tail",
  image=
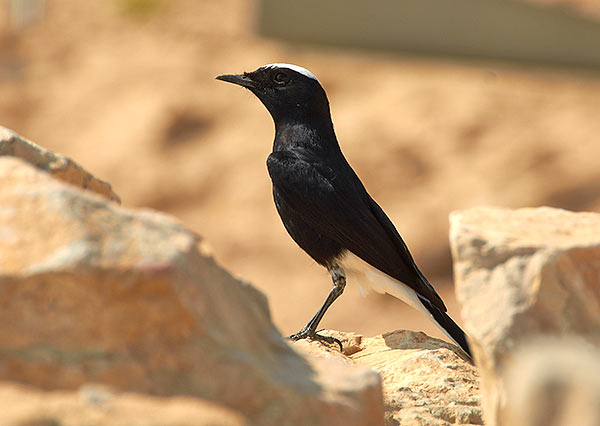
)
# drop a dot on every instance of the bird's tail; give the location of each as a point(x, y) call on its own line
point(447, 325)
point(372, 278)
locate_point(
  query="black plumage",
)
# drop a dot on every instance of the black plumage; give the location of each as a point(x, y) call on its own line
point(323, 204)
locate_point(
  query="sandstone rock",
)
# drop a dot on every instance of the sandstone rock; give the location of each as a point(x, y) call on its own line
point(553, 382)
point(426, 381)
point(519, 274)
point(98, 406)
point(59, 166)
point(92, 292)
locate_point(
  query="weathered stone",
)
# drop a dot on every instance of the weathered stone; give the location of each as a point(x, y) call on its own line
point(426, 381)
point(92, 292)
point(99, 406)
point(59, 166)
point(519, 274)
point(553, 382)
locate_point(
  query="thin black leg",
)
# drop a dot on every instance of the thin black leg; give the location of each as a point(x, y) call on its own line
point(310, 330)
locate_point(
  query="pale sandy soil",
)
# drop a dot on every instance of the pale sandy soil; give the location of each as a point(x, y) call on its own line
point(135, 102)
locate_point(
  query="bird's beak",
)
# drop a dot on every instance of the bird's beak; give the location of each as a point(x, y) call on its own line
point(239, 79)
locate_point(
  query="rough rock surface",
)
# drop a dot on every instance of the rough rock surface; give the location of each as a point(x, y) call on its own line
point(519, 274)
point(59, 166)
point(426, 381)
point(98, 406)
point(92, 292)
point(553, 382)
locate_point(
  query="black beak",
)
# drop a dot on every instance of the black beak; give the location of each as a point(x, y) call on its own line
point(239, 79)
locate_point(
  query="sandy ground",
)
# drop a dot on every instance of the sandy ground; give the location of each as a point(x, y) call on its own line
point(134, 100)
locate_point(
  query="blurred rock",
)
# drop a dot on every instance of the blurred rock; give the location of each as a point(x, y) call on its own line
point(553, 382)
point(519, 274)
point(426, 381)
point(92, 292)
point(58, 166)
point(93, 406)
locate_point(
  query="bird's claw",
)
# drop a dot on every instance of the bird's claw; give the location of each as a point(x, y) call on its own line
point(313, 335)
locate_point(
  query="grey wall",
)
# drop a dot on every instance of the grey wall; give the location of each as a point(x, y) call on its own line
point(502, 29)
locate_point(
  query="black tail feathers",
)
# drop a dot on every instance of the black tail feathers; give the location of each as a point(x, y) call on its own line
point(448, 325)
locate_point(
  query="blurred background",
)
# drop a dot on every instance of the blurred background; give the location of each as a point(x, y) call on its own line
point(437, 106)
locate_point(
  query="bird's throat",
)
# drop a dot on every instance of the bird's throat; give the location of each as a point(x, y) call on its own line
point(289, 136)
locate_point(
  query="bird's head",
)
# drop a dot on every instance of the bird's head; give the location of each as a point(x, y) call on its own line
point(290, 93)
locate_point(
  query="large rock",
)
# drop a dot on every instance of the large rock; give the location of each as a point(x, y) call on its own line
point(519, 274)
point(426, 381)
point(92, 292)
point(99, 406)
point(58, 166)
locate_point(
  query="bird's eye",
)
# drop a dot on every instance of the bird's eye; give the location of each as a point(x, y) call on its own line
point(281, 78)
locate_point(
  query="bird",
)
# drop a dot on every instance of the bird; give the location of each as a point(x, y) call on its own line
point(325, 207)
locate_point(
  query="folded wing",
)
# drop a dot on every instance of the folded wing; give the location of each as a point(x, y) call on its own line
point(335, 203)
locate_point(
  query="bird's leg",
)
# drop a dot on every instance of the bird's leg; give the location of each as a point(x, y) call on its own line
point(310, 330)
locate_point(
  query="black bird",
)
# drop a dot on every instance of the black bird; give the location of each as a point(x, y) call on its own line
point(325, 207)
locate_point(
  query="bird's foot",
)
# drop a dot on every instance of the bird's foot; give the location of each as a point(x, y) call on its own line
point(306, 333)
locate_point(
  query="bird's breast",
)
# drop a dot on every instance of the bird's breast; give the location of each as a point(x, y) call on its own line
point(317, 245)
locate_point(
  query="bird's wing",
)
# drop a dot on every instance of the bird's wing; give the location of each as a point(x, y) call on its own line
point(340, 208)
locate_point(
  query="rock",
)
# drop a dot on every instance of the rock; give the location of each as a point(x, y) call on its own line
point(426, 381)
point(58, 166)
point(98, 406)
point(520, 274)
point(92, 292)
point(553, 382)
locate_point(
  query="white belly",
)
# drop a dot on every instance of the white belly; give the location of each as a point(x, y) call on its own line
point(369, 278)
